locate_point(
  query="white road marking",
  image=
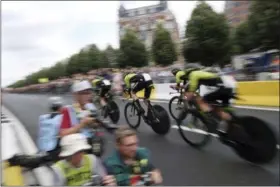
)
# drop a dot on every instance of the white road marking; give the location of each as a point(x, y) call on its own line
point(203, 132)
point(195, 130)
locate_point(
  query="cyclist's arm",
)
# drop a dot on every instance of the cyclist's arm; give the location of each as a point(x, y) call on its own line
point(178, 77)
point(178, 80)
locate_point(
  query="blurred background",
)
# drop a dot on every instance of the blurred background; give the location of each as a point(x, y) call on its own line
point(242, 40)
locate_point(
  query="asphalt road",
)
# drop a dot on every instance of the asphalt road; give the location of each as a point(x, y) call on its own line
point(180, 164)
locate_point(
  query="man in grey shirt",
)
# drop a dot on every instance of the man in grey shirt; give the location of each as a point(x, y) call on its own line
point(78, 167)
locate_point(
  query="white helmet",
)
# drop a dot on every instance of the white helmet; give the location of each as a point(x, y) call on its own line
point(55, 103)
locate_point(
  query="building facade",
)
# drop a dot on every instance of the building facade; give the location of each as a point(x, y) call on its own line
point(237, 11)
point(144, 20)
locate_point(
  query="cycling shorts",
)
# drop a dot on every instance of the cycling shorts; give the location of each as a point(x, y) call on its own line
point(141, 82)
point(222, 93)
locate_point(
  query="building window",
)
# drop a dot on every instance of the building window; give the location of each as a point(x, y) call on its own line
point(142, 11)
point(237, 4)
point(159, 9)
point(143, 27)
point(152, 10)
point(136, 13)
point(143, 36)
point(169, 25)
point(131, 14)
point(122, 31)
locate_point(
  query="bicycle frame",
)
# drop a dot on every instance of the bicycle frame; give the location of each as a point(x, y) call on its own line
point(227, 109)
point(150, 107)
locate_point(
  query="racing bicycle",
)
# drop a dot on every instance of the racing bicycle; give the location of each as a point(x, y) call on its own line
point(111, 109)
point(178, 101)
point(250, 137)
point(157, 117)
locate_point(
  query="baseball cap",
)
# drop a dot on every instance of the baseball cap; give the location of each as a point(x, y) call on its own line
point(81, 86)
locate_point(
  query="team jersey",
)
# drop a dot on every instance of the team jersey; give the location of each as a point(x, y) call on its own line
point(199, 77)
point(133, 78)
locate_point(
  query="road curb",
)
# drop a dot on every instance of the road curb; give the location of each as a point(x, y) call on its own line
point(42, 174)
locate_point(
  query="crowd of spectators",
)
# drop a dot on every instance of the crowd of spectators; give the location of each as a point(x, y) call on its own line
point(159, 75)
point(63, 84)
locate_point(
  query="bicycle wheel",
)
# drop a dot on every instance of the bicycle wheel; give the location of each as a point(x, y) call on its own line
point(196, 117)
point(129, 107)
point(179, 106)
point(264, 149)
point(163, 126)
point(114, 112)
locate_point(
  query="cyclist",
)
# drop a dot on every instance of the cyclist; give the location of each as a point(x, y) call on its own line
point(197, 76)
point(103, 86)
point(77, 167)
point(49, 142)
point(129, 161)
point(135, 82)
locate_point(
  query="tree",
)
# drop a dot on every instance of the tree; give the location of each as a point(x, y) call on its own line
point(207, 37)
point(243, 40)
point(132, 51)
point(73, 65)
point(264, 25)
point(111, 56)
point(57, 71)
point(17, 84)
point(163, 48)
point(94, 58)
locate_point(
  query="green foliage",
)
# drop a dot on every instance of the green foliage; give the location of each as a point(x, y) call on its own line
point(261, 30)
point(132, 51)
point(207, 37)
point(18, 84)
point(85, 60)
point(163, 48)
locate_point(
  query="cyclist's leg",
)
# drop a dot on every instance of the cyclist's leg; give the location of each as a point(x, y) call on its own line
point(148, 89)
point(136, 88)
point(225, 95)
point(103, 92)
point(212, 97)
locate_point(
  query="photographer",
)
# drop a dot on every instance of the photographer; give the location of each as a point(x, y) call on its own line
point(129, 160)
point(75, 117)
point(77, 167)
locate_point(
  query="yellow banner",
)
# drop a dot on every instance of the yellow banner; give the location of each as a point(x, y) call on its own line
point(43, 80)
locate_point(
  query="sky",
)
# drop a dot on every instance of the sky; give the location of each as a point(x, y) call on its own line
point(37, 34)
